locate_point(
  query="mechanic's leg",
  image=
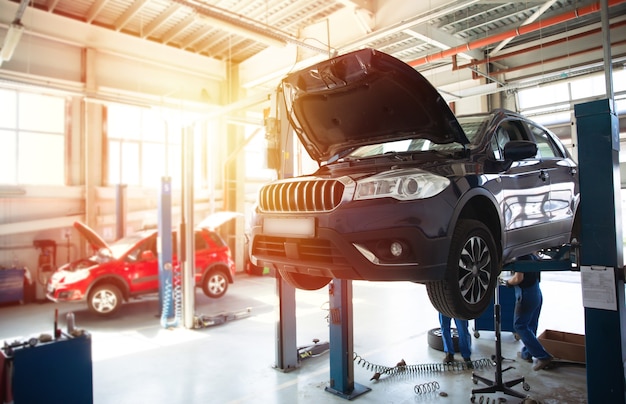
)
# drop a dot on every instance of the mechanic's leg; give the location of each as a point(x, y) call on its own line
point(446, 336)
point(465, 338)
point(525, 309)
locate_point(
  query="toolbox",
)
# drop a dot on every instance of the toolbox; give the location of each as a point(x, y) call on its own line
point(47, 370)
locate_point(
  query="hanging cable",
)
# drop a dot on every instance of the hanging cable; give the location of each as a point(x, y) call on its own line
point(172, 295)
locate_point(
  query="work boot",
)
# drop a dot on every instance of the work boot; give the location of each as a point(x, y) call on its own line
point(543, 363)
point(469, 363)
point(449, 358)
point(525, 358)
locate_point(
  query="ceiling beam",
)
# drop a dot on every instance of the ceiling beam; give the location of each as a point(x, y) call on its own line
point(160, 20)
point(129, 14)
point(94, 10)
point(176, 30)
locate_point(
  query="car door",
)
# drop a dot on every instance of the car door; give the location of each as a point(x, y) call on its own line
point(525, 191)
point(562, 172)
point(141, 267)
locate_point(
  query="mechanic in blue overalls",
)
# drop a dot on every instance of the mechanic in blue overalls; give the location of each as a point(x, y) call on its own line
point(465, 339)
point(528, 301)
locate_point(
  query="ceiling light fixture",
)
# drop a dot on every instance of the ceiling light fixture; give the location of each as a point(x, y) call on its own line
point(11, 40)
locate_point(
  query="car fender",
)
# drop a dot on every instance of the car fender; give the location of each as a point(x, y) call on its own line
point(110, 278)
point(215, 265)
point(465, 203)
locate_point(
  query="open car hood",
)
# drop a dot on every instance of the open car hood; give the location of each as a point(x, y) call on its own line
point(92, 237)
point(365, 97)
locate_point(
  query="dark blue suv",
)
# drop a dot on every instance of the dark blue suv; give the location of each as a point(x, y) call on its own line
point(406, 191)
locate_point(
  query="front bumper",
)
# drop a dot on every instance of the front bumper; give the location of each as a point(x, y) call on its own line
point(60, 294)
point(330, 248)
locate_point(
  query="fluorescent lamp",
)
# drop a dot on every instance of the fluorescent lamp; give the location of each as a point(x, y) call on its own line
point(11, 40)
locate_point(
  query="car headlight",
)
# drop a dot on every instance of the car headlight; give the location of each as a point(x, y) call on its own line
point(75, 276)
point(404, 185)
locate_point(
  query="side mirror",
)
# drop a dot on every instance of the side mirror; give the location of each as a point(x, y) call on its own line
point(147, 255)
point(516, 150)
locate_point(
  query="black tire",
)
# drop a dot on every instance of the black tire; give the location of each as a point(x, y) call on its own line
point(435, 340)
point(215, 284)
point(105, 300)
point(471, 273)
point(305, 282)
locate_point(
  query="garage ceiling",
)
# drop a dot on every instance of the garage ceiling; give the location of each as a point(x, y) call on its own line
point(511, 36)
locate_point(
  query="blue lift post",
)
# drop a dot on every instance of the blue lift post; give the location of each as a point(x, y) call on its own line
point(341, 341)
point(601, 249)
point(164, 245)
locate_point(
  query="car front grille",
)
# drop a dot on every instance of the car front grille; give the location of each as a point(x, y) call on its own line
point(309, 250)
point(301, 196)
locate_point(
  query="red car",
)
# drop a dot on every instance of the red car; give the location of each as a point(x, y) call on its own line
point(129, 267)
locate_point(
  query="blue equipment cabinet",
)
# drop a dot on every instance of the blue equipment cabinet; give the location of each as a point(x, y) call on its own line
point(12, 285)
point(59, 371)
point(507, 303)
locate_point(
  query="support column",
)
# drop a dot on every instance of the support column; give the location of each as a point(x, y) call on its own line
point(286, 344)
point(164, 247)
point(601, 251)
point(341, 342)
point(286, 347)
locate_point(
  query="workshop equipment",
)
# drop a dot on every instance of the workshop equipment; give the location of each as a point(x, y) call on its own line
point(11, 284)
point(62, 367)
point(46, 265)
point(498, 385)
point(507, 305)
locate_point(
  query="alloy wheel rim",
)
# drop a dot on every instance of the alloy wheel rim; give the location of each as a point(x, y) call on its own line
point(104, 301)
point(216, 284)
point(474, 270)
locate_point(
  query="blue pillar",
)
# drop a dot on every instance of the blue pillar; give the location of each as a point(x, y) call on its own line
point(601, 250)
point(341, 341)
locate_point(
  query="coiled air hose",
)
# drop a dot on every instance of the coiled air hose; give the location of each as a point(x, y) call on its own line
point(173, 292)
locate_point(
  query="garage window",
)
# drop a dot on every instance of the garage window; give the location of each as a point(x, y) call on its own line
point(32, 129)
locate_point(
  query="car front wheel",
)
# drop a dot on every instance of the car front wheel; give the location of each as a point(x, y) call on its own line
point(215, 284)
point(105, 300)
point(471, 273)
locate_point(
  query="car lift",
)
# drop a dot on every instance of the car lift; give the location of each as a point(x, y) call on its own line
point(599, 256)
point(340, 291)
point(601, 251)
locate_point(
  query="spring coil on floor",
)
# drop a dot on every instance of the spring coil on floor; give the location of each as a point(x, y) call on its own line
point(429, 387)
point(420, 368)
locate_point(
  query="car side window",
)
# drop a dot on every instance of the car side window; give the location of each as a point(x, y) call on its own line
point(147, 245)
point(545, 146)
point(507, 131)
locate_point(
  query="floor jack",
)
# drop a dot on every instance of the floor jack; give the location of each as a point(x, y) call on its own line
point(204, 321)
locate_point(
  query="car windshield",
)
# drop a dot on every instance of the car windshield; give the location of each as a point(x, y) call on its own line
point(121, 246)
point(472, 125)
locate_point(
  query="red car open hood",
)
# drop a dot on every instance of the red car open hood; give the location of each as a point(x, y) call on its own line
point(365, 97)
point(92, 237)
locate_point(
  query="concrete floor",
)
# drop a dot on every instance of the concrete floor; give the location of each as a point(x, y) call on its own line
point(135, 360)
